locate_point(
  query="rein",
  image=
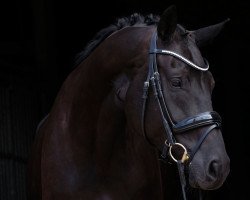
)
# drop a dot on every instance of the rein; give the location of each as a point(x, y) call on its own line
point(210, 118)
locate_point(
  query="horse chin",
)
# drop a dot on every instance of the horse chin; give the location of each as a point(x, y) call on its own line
point(204, 185)
point(200, 180)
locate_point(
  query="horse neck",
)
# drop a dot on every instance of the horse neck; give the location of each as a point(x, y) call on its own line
point(92, 128)
point(117, 146)
point(87, 86)
point(75, 112)
point(119, 151)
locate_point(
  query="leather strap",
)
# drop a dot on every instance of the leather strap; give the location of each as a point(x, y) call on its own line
point(199, 143)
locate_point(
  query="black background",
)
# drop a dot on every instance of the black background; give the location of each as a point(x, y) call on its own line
point(39, 40)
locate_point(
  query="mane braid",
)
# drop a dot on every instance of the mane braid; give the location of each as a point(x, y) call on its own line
point(133, 20)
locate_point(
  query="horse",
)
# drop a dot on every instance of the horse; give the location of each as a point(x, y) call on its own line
point(134, 119)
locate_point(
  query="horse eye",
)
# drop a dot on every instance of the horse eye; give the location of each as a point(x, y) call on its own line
point(176, 83)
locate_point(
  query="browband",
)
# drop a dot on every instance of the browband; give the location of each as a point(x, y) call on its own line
point(180, 57)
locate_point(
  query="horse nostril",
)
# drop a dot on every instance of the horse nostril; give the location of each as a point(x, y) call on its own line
point(213, 169)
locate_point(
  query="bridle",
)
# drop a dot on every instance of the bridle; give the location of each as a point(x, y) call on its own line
point(210, 119)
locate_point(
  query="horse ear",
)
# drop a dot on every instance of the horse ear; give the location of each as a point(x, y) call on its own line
point(204, 36)
point(167, 24)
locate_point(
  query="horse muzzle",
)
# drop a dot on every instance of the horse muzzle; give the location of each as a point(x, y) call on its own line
point(209, 175)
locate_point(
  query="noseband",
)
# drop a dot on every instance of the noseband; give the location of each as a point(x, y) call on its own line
point(210, 119)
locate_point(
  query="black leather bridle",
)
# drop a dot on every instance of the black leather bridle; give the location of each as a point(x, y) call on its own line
point(210, 119)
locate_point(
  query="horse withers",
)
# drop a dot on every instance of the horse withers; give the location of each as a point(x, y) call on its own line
point(140, 94)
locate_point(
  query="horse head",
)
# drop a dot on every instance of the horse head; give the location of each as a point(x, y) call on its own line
point(177, 112)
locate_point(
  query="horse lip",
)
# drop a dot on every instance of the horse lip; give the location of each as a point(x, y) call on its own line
point(206, 183)
point(197, 182)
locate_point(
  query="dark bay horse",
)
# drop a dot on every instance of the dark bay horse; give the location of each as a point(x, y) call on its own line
point(134, 120)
